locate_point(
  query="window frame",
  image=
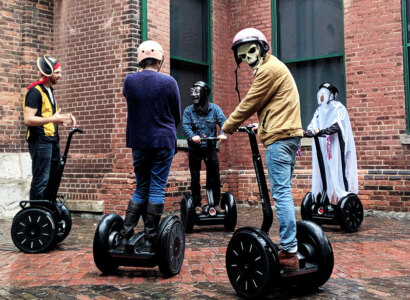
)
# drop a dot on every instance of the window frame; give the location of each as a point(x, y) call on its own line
point(208, 63)
point(182, 143)
point(406, 46)
point(306, 59)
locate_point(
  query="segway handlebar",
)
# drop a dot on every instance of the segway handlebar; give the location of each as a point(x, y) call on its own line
point(63, 160)
point(73, 130)
point(213, 138)
point(260, 178)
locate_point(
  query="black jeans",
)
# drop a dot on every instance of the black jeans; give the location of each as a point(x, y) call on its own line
point(45, 165)
point(213, 181)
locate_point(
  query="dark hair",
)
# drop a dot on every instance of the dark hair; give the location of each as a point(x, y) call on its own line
point(148, 62)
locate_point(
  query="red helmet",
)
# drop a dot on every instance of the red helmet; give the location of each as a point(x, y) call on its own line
point(249, 35)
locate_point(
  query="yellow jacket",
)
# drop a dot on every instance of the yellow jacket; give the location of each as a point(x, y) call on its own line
point(275, 97)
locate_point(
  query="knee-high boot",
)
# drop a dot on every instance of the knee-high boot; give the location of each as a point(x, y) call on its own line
point(134, 211)
point(151, 222)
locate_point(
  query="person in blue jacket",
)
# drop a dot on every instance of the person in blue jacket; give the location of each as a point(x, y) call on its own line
point(154, 112)
point(199, 121)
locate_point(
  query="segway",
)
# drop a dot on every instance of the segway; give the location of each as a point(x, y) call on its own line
point(209, 215)
point(348, 212)
point(168, 256)
point(41, 224)
point(252, 259)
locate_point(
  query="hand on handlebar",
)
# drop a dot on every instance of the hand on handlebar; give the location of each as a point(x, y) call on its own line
point(308, 133)
point(196, 139)
point(222, 137)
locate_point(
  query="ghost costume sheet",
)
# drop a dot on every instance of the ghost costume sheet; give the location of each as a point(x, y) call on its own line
point(332, 112)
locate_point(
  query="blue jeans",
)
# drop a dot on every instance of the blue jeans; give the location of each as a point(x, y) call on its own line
point(45, 164)
point(280, 160)
point(151, 167)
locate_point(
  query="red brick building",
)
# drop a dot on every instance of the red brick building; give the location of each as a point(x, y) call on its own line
point(360, 45)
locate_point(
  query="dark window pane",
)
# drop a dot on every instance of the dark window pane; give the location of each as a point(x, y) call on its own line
point(309, 75)
point(186, 74)
point(408, 19)
point(309, 28)
point(189, 29)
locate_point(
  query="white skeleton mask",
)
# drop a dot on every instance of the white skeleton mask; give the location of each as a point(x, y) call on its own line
point(251, 54)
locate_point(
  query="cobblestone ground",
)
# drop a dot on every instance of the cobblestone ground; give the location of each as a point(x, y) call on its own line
point(373, 263)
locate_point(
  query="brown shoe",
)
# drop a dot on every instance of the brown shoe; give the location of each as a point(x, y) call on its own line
point(198, 210)
point(289, 261)
point(219, 210)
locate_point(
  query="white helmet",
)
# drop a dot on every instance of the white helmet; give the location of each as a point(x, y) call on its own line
point(150, 49)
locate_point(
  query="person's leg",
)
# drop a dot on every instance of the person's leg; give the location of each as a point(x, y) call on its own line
point(161, 164)
point(41, 163)
point(195, 159)
point(138, 201)
point(50, 193)
point(213, 180)
point(280, 160)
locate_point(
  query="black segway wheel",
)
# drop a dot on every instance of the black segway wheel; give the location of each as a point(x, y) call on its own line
point(350, 213)
point(171, 246)
point(248, 264)
point(306, 207)
point(106, 238)
point(33, 230)
point(229, 205)
point(187, 212)
point(314, 245)
point(63, 225)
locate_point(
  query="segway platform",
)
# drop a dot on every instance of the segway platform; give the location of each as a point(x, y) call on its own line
point(169, 247)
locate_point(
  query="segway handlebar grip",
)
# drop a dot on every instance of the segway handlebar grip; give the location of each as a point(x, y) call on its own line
point(76, 129)
point(214, 138)
point(308, 133)
point(248, 128)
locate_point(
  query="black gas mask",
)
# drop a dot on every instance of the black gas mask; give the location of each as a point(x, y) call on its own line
point(199, 94)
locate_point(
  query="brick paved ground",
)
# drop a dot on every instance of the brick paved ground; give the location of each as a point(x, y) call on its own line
point(373, 263)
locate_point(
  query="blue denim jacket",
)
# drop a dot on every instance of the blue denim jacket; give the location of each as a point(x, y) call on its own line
point(204, 126)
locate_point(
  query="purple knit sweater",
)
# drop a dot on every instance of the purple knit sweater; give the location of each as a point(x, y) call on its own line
point(154, 110)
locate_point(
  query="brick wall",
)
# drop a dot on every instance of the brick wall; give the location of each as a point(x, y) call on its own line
point(27, 32)
point(376, 101)
point(96, 43)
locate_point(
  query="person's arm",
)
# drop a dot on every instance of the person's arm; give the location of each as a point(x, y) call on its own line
point(187, 124)
point(334, 128)
point(258, 95)
point(33, 103)
point(221, 119)
point(176, 108)
point(30, 118)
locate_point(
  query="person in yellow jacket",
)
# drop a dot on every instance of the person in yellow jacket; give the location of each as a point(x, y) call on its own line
point(42, 117)
point(274, 96)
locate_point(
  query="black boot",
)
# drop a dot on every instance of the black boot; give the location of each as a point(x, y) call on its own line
point(134, 211)
point(151, 221)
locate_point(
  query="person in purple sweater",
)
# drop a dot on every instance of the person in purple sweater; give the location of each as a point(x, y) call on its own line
point(154, 112)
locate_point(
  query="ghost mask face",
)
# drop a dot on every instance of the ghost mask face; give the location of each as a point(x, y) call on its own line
point(195, 93)
point(250, 53)
point(324, 96)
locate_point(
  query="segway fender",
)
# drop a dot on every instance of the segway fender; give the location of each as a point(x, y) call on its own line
point(229, 205)
point(187, 212)
point(306, 207)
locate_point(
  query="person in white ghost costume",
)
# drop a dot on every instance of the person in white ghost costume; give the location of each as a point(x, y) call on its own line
point(331, 124)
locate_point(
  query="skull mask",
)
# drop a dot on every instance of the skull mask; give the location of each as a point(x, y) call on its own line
point(196, 94)
point(199, 93)
point(251, 54)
